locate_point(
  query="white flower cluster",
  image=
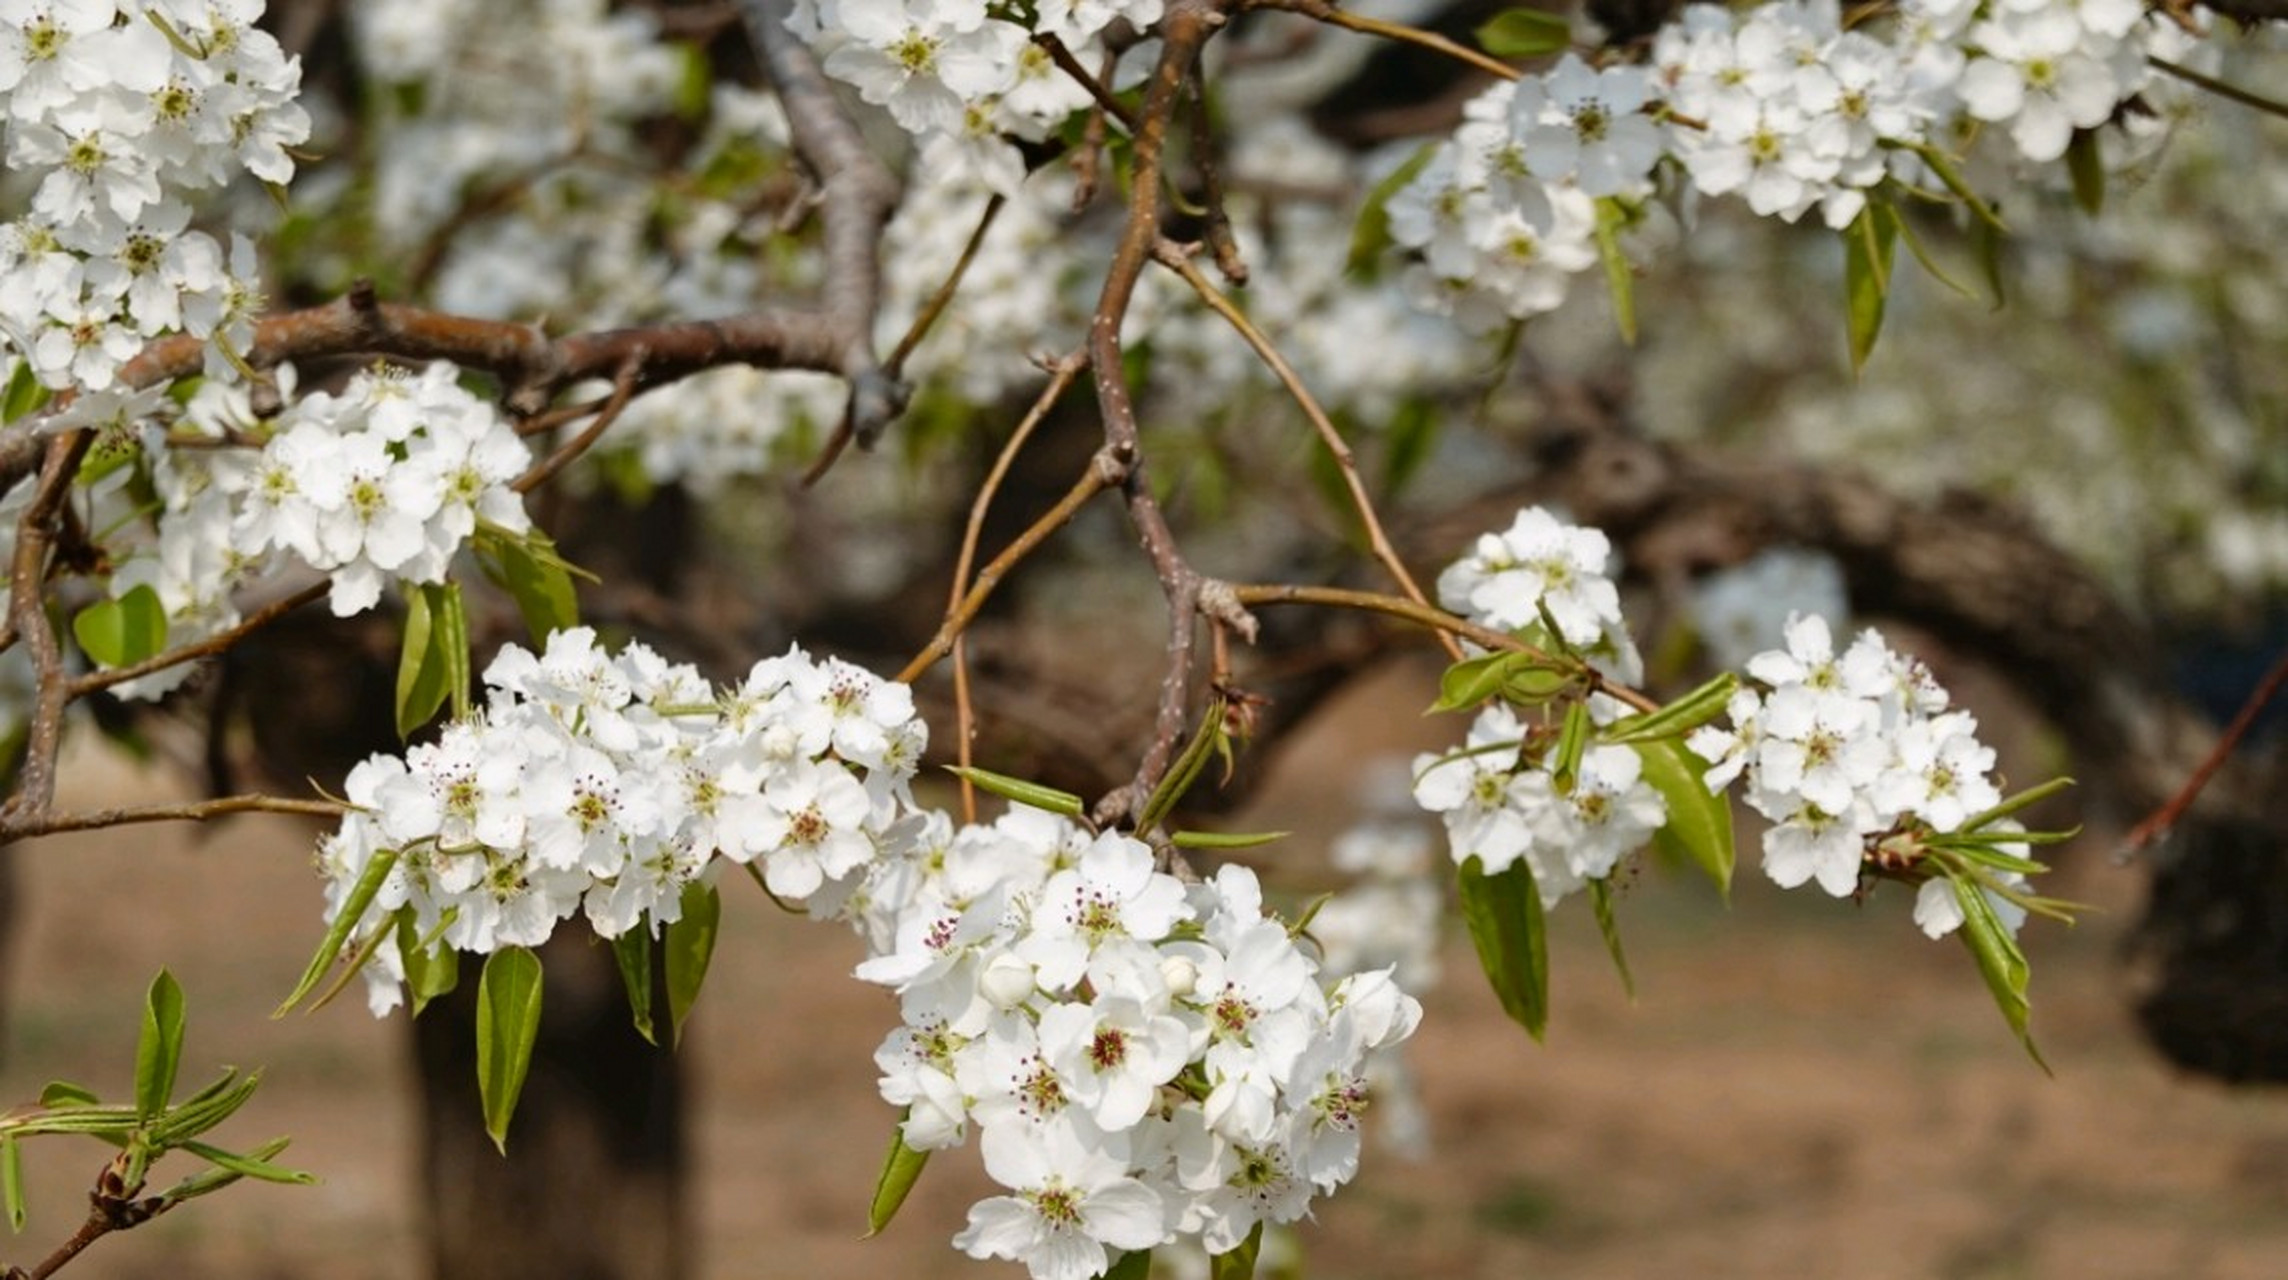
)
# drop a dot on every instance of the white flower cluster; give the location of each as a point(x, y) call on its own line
point(606, 783)
point(381, 482)
point(965, 77)
point(117, 111)
point(1146, 1061)
point(1777, 103)
point(1501, 795)
point(1842, 750)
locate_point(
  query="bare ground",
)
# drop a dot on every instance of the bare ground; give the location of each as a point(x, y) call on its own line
point(1802, 1089)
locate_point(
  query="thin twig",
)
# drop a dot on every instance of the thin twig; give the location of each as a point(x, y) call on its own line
point(623, 388)
point(2158, 823)
point(1070, 65)
point(214, 644)
point(13, 828)
point(1103, 472)
point(1322, 11)
point(1060, 378)
point(927, 317)
point(2220, 88)
point(1175, 259)
point(1258, 594)
point(1220, 241)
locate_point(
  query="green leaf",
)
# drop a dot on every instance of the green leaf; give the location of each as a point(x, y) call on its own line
point(2000, 961)
point(1371, 235)
point(1620, 275)
point(431, 968)
point(1601, 898)
point(1225, 839)
point(255, 1164)
point(1869, 244)
point(63, 1093)
point(1021, 791)
point(159, 1051)
point(25, 394)
point(1572, 739)
point(1503, 912)
point(1239, 1263)
point(377, 869)
point(690, 944)
point(12, 1180)
point(1525, 33)
point(123, 631)
point(1699, 826)
point(433, 663)
point(2087, 167)
point(1515, 676)
point(527, 566)
point(1677, 718)
point(900, 1169)
point(1136, 1264)
point(508, 1021)
point(2015, 802)
point(633, 951)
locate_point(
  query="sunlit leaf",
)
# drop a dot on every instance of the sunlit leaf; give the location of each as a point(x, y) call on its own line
point(1525, 33)
point(900, 1168)
point(123, 631)
point(1678, 717)
point(508, 1022)
point(377, 869)
point(1699, 826)
point(24, 393)
point(1503, 912)
point(527, 566)
point(159, 1050)
point(1021, 791)
point(2000, 961)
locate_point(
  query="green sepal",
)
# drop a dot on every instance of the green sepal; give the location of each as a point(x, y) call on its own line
point(159, 1050)
point(1504, 915)
point(1225, 839)
point(124, 631)
point(900, 1169)
point(1525, 33)
point(1678, 717)
point(508, 1022)
point(433, 663)
point(1601, 898)
point(1527, 679)
point(1032, 794)
point(1699, 826)
point(632, 950)
point(2000, 961)
point(1239, 1262)
point(377, 869)
point(690, 945)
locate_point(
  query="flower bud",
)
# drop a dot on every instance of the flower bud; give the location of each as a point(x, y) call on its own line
point(1006, 982)
point(1181, 975)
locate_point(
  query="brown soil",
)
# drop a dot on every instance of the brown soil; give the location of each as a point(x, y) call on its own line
point(1802, 1089)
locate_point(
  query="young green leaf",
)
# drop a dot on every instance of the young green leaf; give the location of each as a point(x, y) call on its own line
point(690, 944)
point(508, 1021)
point(125, 631)
point(253, 1164)
point(1620, 276)
point(422, 677)
point(1136, 1264)
point(1601, 898)
point(431, 968)
point(377, 869)
point(632, 950)
point(2000, 961)
point(63, 1093)
point(1869, 245)
point(1679, 717)
point(1225, 839)
point(26, 395)
point(1021, 791)
point(1371, 235)
point(1503, 912)
point(12, 1180)
point(159, 1051)
point(1699, 826)
point(1239, 1264)
point(1525, 33)
point(900, 1169)
point(527, 566)
point(2087, 166)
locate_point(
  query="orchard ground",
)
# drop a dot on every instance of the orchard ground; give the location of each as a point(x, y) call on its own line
point(1802, 1088)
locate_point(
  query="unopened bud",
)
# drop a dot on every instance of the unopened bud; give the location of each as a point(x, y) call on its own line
point(1006, 982)
point(1181, 975)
